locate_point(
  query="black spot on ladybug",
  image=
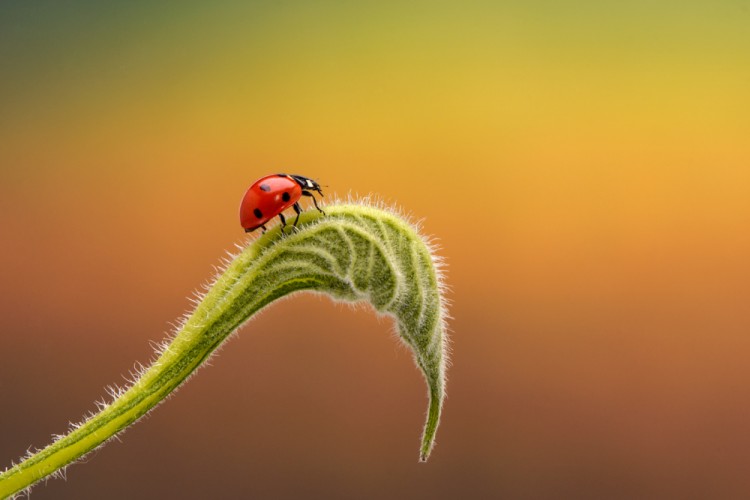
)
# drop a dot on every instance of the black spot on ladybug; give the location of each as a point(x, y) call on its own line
point(285, 196)
point(258, 213)
point(265, 187)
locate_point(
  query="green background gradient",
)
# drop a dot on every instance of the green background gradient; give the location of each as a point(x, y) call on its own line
point(584, 165)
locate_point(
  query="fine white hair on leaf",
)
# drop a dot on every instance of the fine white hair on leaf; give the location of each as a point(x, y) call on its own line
point(362, 252)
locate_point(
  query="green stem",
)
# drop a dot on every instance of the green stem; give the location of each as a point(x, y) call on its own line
point(356, 252)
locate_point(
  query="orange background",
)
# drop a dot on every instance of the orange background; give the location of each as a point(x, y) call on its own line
point(584, 166)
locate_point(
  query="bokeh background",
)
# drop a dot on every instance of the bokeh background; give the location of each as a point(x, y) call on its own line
point(584, 165)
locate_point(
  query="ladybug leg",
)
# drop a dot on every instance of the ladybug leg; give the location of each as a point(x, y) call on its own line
point(308, 193)
point(283, 223)
point(297, 210)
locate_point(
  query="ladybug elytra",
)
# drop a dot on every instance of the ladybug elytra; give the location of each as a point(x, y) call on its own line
point(269, 196)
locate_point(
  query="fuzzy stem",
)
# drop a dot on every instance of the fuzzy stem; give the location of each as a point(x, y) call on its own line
point(356, 252)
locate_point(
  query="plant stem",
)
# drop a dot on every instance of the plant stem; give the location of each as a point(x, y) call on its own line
point(356, 252)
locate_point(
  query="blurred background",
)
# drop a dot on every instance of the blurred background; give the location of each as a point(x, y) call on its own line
point(585, 167)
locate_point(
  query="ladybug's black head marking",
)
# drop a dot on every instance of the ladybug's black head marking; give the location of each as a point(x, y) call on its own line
point(305, 183)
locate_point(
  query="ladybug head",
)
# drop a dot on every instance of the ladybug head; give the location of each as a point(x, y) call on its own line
point(307, 184)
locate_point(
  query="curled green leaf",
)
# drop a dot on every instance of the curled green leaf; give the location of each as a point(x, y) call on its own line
point(356, 252)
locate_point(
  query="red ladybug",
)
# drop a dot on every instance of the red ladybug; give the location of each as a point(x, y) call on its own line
point(271, 195)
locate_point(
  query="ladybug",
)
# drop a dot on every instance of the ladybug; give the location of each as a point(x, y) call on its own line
point(271, 195)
